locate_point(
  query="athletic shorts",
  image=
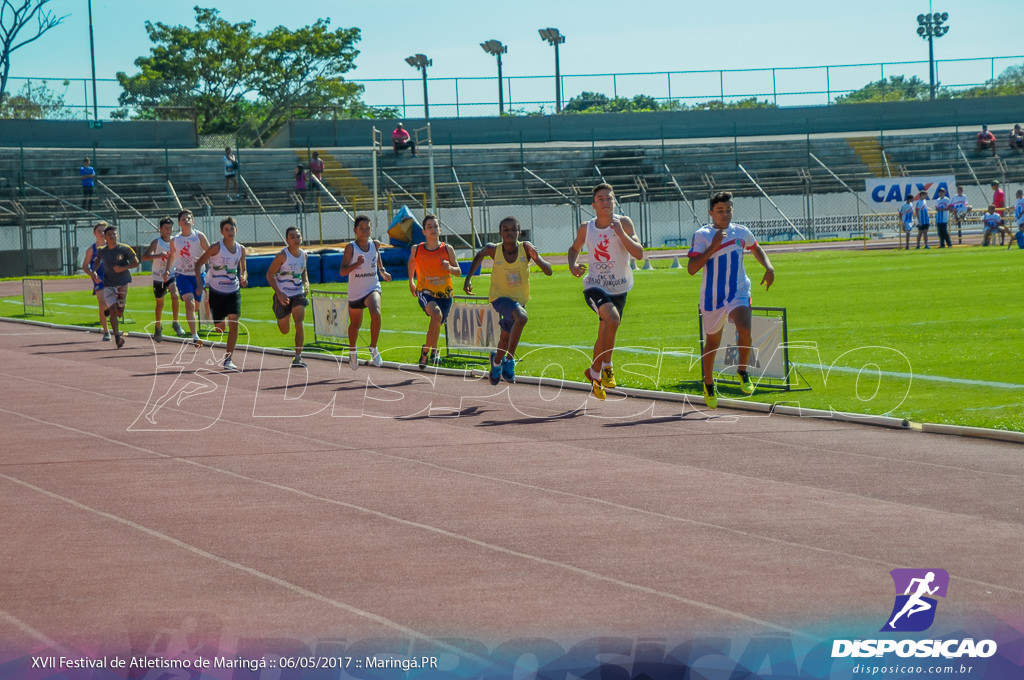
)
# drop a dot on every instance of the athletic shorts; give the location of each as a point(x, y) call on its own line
point(506, 308)
point(115, 295)
point(443, 303)
point(923, 227)
point(186, 284)
point(361, 302)
point(97, 287)
point(223, 305)
point(281, 311)
point(714, 321)
point(597, 298)
point(161, 288)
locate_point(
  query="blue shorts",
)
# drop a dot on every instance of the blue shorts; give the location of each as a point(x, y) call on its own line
point(187, 286)
point(443, 303)
point(506, 308)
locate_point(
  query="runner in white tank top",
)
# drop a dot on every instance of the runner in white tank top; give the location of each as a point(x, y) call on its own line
point(611, 241)
point(227, 277)
point(365, 269)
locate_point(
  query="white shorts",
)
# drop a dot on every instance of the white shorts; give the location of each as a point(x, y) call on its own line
point(714, 321)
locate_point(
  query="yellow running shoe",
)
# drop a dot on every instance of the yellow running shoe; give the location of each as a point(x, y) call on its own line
point(608, 378)
point(596, 388)
point(710, 398)
point(746, 384)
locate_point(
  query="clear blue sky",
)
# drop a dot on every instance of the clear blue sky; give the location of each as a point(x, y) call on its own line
point(601, 37)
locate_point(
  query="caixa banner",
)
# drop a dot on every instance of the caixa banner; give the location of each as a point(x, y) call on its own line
point(887, 193)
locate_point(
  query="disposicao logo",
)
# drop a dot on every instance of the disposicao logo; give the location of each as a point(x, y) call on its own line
point(916, 589)
point(914, 611)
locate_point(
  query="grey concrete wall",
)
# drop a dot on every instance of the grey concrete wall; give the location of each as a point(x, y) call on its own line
point(970, 113)
point(135, 134)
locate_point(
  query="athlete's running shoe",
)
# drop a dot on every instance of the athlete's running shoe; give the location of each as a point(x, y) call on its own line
point(158, 334)
point(120, 341)
point(106, 337)
point(196, 341)
point(710, 398)
point(375, 357)
point(508, 369)
point(229, 365)
point(424, 356)
point(608, 377)
point(353, 359)
point(297, 362)
point(495, 374)
point(595, 385)
point(178, 330)
point(746, 384)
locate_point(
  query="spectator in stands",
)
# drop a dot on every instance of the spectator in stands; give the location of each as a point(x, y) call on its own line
point(316, 169)
point(300, 178)
point(230, 172)
point(1017, 137)
point(400, 139)
point(88, 174)
point(986, 140)
point(998, 198)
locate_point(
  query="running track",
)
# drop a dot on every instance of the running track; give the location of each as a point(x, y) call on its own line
point(143, 490)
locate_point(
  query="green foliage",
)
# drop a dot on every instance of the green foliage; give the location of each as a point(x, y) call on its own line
point(231, 79)
point(1009, 82)
point(34, 103)
point(14, 17)
point(892, 89)
point(595, 102)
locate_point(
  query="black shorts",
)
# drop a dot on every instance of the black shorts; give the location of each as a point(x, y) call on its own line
point(361, 302)
point(281, 311)
point(161, 288)
point(596, 298)
point(223, 305)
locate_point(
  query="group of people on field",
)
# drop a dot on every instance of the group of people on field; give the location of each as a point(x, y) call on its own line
point(609, 239)
point(915, 212)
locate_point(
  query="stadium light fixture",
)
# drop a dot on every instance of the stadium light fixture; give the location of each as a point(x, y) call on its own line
point(929, 27)
point(497, 49)
point(554, 38)
point(421, 62)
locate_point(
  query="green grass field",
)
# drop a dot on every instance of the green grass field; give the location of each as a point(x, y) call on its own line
point(930, 336)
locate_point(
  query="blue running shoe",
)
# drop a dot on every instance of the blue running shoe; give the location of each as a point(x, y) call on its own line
point(508, 369)
point(495, 375)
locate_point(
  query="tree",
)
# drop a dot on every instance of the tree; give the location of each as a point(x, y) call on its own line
point(34, 102)
point(893, 89)
point(13, 18)
point(232, 79)
point(1009, 82)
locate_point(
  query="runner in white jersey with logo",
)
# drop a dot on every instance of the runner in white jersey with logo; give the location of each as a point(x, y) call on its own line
point(610, 241)
point(227, 278)
point(960, 209)
point(718, 250)
point(158, 252)
point(362, 265)
point(186, 249)
point(288, 277)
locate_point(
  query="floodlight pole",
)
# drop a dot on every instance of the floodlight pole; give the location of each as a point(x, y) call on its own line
point(930, 26)
point(421, 62)
point(553, 37)
point(92, 57)
point(497, 49)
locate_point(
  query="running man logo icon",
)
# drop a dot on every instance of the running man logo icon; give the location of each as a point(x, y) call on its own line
point(914, 608)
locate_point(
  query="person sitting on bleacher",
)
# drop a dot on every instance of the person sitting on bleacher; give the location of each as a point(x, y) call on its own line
point(400, 139)
point(986, 140)
point(1017, 137)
